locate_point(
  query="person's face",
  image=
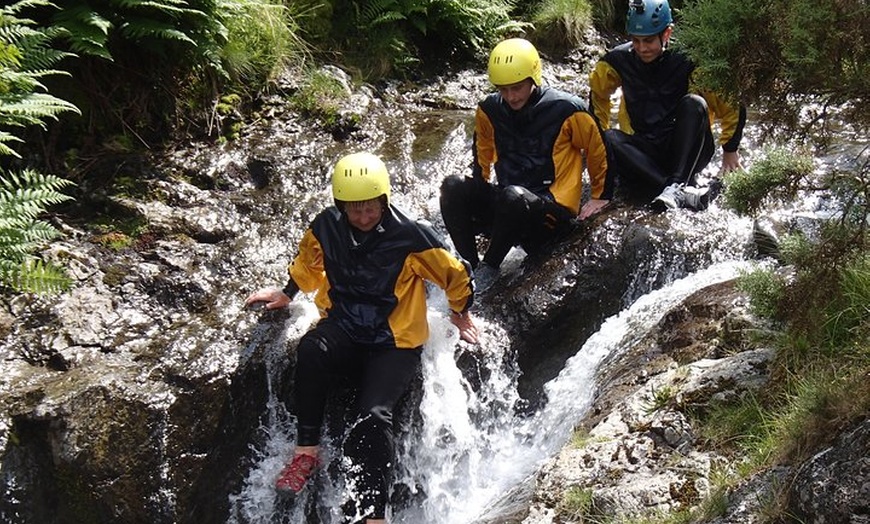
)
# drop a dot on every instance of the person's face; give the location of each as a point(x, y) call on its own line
point(648, 48)
point(364, 215)
point(516, 95)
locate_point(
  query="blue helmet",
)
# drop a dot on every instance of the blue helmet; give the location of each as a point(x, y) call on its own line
point(647, 17)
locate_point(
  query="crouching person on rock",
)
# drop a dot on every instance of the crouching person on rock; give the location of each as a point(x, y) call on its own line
point(664, 138)
point(368, 262)
point(526, 183)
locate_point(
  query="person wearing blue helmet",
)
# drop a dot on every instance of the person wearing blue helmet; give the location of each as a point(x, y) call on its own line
point(664, 137)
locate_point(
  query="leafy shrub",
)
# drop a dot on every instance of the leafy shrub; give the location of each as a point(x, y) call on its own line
point(765, 289)
point(776, 177)
point(400, 35)
point(194, 51)
point(801, 51)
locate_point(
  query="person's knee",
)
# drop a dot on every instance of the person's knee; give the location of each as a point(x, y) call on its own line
point(693, 104)
point(514, 200)
point(452, 185)
point(311, 345)
point(379, 416)
point(615, 138)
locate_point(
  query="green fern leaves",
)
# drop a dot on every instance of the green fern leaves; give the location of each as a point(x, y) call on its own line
point(25, 57)
point(23, 197)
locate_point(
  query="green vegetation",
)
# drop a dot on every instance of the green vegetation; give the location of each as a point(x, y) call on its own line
point(662, 398)
point(321, 95)
point(780, 54)
point(194, 51)
point(777, 177)
point(389, 37)
point(25, 58)
point(577, 504)
point(561, 25)
point(817, 303)
point(23, 197)
point(821, 308)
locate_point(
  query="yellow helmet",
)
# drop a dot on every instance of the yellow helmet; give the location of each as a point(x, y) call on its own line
point(513, 61)
point(360, 176)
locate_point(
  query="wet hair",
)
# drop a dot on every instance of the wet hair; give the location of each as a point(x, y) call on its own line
point(341, 204)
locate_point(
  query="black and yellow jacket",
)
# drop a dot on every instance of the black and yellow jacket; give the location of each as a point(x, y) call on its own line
point(542, 146)
point(651, 92)
point(375, 289)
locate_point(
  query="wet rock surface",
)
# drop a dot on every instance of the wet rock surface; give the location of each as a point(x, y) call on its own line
point(640, 454)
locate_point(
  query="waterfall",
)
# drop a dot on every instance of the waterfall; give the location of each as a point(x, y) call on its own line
point(473, 446)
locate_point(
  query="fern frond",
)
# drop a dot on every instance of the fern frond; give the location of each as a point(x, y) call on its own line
point(88, 30)
point(8, 137)
point(374, 9)
point(16, 81)
point(13, 180)
point(159, 5)
point(13, 34)
point(26, 195)
point(24, 240)
point(22, 5)
point(19, 208)
point(140, 28)
point(386, 18)
point(42, 57)
point(34, 106)
point(23, 196)
point(13, 247)
point(35, 276)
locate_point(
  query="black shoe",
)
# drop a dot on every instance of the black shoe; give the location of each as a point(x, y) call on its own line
point(484, 276)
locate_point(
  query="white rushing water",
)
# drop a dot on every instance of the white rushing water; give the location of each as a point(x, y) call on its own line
point(472, 447)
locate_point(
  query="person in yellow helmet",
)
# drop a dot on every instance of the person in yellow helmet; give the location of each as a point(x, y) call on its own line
point(664, 138)
point(529, 147)
point(368, 262)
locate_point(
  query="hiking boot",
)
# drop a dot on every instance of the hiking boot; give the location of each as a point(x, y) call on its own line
point(677, 195)
point(296, 473)
point(484, 276)
point(670, 198)
point(697, 198)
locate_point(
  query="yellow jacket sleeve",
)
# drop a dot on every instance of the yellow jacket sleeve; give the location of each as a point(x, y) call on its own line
point(484, 143)
point(725, 113)
point(307, 268)
point(603, 82)
point(578, 138)
point(408, 320)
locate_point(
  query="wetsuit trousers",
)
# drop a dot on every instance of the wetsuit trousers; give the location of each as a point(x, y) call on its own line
point(653, 162)
point(508, 216)
point(326, 356)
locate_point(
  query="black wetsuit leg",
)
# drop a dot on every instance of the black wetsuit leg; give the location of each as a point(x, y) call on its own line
point(690, 145)
point(635, 162)
point(370, 444)
point(323, 355)
point(466, 207)
point(523, 218)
